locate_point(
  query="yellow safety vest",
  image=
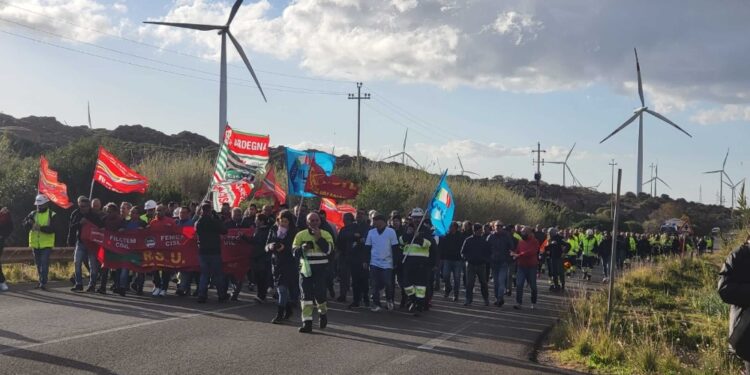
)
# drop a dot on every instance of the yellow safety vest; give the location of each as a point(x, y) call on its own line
point(573, 246)
point(588, 246)
point(417, 250)
point(39, 239)
point(633, 244)
point(316, 254)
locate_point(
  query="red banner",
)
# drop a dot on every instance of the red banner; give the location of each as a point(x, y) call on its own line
point(329, 186)
point(247, 144)
point(232, 193)
point(56, 191)
point(269, 188)
point(147, 250)
point(116, 176)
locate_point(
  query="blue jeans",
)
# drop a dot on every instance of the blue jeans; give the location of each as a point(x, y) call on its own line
point(525, 274)
point(454, 267)
point(211, 269)
point(79, 255)
point(605, 266)
point(500, 276)
point(41, 260)
point(124, 276)
point(283, 293)
point(380, 278)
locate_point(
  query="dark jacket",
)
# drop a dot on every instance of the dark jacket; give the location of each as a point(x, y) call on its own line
point(734, 289)
point(450, 247)
point(557, 247)
point(501, 244)
point(6, 228)
point(359, 253)
point(345, 242)
point(208, 230)
point(285, 267)
point(74, 228)
point(260, 258)
point(476, 250)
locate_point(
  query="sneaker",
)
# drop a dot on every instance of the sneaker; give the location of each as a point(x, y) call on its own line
point(604, 280)
point(388, 305)
point(3, 287)
point(91, 289)
point(455, 298)
point(162, 292)
point(517, 306)
point(375, 308)
point(467, 303)
point(155, 292)
point(500, 303)
point(486, 302)
point(77, 288)
point(353, 305)
point(533, 306)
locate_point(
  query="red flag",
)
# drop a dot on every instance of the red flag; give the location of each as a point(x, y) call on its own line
point(329, 186)
point(269, 188)
point(231, 192)
point(335, 212)
point(55, 190)
point(116, 176)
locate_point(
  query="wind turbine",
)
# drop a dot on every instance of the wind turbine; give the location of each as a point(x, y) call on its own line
point(464, 171)
point(722, 174)
point(734, 189)
point(655, 181)
point(638, 113)
point(566, 166)
point(224, 32)
point(403, 154)
point(88, 108)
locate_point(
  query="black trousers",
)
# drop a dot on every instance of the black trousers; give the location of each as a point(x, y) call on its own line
point(360, 284)
point(476, 271)
point(557, 271)
point(314, 287)
point(260, 278)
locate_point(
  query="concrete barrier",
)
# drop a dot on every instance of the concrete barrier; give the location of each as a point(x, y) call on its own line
point(13, 255)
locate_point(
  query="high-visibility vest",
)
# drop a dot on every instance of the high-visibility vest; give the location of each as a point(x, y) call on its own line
point(517, 236)
point(418, 250)
point(588, 246)
point(39, 239)
point(315, 255)
point(599, 237)
point(633, 246)
point(573, 246)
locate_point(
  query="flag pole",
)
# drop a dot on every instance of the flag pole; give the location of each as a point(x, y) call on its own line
point(91, 191)
point(414, 236)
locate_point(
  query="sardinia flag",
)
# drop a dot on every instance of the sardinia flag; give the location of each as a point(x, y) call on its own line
point(441, 207)
point(116, 176)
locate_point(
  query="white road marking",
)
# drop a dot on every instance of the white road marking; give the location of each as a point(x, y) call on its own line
point(117, 329)
point(444, 337)
point(403, 359)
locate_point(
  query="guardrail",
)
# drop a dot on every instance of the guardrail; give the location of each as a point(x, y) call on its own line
point(13, 255)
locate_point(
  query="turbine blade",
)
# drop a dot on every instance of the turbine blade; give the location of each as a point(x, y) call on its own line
point(640, 84)
point(415, 162)
point(459, 162)
point(649, 181)
point(405, 136)
point(709, 172)
point(626, 123)
point(662, 181)
point(235, 8)
point(727, 176)
point(570, 152)
point(555, 162)
point(393, 156)
point(657, 115)
point(247, 62)
point(575, 180)
point(193, 26)
point(475, 174)
point(725, 160)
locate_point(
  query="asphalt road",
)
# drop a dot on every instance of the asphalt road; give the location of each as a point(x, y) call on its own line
point(60, 332)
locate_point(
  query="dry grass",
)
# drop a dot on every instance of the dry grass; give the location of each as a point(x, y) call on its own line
point(24, 272)
point(668, 319)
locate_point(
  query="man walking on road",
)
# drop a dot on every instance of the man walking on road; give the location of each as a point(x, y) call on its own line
point(450, 256)
point(419, 259)
point(6, 227)
point(501, 244)
point(80, 216)
point(208, 230)
point(476, 253)
point(41, 226)
point(381, 243)
point(312, 246)
point(526, 256)
point(556, 248)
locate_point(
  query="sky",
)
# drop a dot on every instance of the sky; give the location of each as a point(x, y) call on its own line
point(482, 79)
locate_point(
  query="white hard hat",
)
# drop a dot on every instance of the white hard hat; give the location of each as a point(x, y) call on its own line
point(417, 212)
point(40, 200)
point(589, 232)
point(150, 205)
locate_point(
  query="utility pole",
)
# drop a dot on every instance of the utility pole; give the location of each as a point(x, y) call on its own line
point(612, 189)
point(612, 254)
point(359, 98)
point(700, 193)
point(651, 189)
point(539, 162)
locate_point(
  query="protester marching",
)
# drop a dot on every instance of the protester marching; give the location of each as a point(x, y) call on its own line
point(381, 261)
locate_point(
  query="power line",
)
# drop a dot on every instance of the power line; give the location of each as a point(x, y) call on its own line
point(113, 35)
point(273, 87)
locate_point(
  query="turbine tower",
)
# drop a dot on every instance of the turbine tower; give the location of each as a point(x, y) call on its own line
point(224, 32)
point(734, 190)
point(464, 171)
point(655, 181)
point(638, 113)
point(403, 154)
point(722, 174)
point(566, 166)
point(88, 108)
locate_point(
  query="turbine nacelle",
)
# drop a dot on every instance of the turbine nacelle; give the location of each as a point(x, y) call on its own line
point(640, 110)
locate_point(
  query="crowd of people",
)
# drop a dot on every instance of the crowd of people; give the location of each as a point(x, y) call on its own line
point(297, 255)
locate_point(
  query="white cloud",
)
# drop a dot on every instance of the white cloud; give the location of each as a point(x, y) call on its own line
point(726, 113)
point(60, 16)
point(516, 45)
point(120, 7)
point(521, 27)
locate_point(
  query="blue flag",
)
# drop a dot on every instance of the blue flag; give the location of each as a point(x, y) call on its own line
point(298, 168)
point(441, 207)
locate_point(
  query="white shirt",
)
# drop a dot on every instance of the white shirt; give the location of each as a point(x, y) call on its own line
point(381, 255)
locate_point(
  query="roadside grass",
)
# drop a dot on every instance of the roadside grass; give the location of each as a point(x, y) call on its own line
point(667, 319)
point(26, 272)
